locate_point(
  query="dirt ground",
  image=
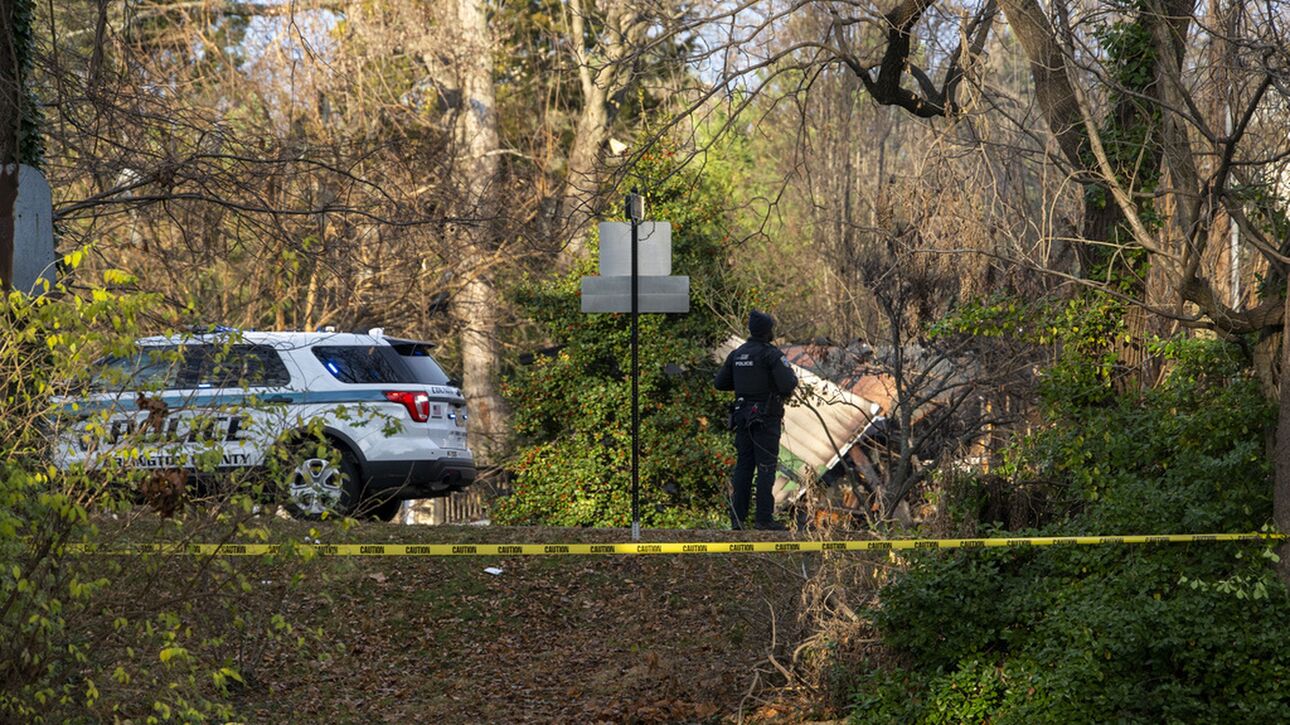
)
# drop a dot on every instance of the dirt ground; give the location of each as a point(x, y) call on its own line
point(616, 639)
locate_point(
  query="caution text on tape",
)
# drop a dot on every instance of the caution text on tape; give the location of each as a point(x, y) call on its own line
point(637, 548)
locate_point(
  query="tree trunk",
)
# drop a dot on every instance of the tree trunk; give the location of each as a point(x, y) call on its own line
point(8, 198)
point(600, 78)
point(581, 186)
point(1056, 99)
point(10, 136)
point(1281, 456)
point(477, 304)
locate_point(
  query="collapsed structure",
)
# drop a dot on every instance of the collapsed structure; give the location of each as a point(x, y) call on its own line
point(841, 430)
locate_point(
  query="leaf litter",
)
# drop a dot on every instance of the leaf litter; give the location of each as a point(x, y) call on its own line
point(613, 639)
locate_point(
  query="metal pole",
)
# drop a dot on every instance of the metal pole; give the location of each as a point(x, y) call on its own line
point(632, 207)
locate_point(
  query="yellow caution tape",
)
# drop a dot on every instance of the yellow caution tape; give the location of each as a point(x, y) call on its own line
point(717, 547)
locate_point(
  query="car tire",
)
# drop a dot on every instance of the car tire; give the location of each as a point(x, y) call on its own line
point(319, 481)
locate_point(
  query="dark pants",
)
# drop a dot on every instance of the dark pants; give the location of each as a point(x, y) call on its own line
point(757, 448)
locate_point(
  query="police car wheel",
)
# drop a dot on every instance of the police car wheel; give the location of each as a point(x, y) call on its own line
point(320, 484)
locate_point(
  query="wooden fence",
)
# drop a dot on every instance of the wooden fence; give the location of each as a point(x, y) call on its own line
point(465, 507)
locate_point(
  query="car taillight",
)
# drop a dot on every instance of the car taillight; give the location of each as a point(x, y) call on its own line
point(418, 404)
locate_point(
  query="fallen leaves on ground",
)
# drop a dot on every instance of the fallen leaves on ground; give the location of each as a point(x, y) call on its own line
point(615, 639)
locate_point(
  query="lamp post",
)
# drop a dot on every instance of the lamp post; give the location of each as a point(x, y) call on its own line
point(635, 213)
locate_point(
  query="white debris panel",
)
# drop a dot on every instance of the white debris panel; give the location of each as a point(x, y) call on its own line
point(822, 419)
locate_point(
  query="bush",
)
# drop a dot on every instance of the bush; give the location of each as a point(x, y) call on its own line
point(1172, 632)
point(92, 638)
point(573, 406)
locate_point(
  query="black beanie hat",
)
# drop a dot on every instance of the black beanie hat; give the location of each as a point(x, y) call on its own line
point(761, 326)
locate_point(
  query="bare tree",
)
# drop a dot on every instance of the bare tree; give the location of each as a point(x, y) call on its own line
point(15, 55)
point(946, 391)
point(468, 48)
point(1125, 96)
point(605, 67)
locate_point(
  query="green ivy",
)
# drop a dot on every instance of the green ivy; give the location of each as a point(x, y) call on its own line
point(572, 406)
point(1084, 334)
point(1176, 633)
point(31, 144)
point(1130, 135)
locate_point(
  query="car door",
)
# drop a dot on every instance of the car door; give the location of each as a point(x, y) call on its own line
point(239, 403)
point(116, 418)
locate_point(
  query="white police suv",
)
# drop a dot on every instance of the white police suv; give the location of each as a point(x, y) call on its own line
point(349, 423)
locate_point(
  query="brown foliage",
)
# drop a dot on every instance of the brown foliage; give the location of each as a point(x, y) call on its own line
point(165, 490)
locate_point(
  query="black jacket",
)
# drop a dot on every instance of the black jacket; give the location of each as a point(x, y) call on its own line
point(755, 371)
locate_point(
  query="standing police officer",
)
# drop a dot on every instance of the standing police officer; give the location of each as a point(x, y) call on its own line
point(761, 378)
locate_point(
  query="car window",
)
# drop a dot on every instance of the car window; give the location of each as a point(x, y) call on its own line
point(422, 364)
point(238, 366)
point(362, 364)
point(148, 369)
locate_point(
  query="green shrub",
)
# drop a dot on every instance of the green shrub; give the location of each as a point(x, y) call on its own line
point(91, 638)
point(1169, 632)
point(573, 406)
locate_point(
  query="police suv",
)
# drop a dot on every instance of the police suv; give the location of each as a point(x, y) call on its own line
point(349, 423)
